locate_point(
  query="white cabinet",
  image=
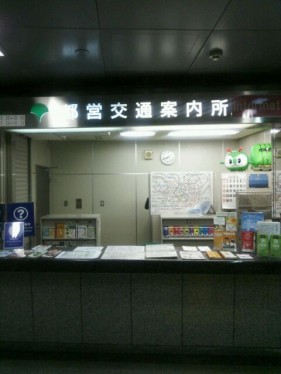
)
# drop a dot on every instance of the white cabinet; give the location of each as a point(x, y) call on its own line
point(71, 229)
point(182, 228)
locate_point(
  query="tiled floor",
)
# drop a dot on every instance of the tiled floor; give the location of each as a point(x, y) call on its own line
point(137, 365)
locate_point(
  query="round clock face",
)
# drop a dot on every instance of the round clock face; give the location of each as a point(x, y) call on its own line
point(168, 157)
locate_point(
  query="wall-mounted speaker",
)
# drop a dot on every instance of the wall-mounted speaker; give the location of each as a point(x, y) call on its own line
point(148, 155)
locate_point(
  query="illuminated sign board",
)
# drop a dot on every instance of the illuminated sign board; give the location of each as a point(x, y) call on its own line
point(141, 111)
point(124, 110)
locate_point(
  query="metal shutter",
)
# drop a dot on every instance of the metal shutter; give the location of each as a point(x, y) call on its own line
point(19, 164)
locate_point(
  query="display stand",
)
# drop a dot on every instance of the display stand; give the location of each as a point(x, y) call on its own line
point(71, 229)
point(191, 229)
point(253, 202)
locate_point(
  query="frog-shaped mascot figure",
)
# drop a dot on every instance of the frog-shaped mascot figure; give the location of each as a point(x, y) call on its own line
point(236, 160)
point(261, 156)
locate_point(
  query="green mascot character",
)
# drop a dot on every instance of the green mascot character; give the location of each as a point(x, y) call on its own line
point(261, 156)
point(236, 160)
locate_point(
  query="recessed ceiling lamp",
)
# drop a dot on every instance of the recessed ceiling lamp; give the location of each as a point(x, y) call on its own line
point(202, 133)
point(137, 134)
point(215, 54)
point(68, 130)
point(82, 52)
point(1, 53)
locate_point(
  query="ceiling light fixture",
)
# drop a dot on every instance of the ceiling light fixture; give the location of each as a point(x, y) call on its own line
point(69, 130)
point(202, 133)
point(215, 54)
point(1, 53)
point(137, 134)
point(82, 52)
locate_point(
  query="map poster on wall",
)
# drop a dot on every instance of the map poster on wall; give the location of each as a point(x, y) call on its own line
point(182, 193)
point(232, 183)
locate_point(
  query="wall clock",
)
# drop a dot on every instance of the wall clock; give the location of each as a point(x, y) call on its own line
point(168, 157)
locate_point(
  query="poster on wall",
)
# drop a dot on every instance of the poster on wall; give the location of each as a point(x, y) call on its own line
point(277, 196)
point(22, 212)
point(232, 183)
point(181, 193)
point(2, 218)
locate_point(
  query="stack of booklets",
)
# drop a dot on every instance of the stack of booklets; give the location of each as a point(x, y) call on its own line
point(18, 253)
point(225, 231)
point(249, 221)
point(80, 253)
point(160, 251)
point(5, 253)
point(268, 240)
point(214, 255)
point(135, 252)
point(39, 251)
point(244, 256)
point(69, 231)
point(228, 255)
point(52, 252)
point(195, 253)
point(192, 255)
point(204, 248)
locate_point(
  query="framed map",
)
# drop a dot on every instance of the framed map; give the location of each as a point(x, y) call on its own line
point(180, 193)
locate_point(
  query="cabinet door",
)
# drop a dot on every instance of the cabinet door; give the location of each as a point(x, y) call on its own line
point(115, 199)
point(106, 308)
point(143, 221)
point(56, 307)
point(157, 309)
point(15, 307)
point(258, 311)
point(208, 310)
point(66, 189)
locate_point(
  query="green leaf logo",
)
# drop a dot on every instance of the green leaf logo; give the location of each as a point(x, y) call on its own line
point(39, 110)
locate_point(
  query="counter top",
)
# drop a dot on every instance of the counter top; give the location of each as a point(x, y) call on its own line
point(237, 266)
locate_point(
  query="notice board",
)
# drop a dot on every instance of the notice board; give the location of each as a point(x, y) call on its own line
point(180, 193)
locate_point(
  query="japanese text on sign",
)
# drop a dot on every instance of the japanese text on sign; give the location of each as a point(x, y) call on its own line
point(145, 110)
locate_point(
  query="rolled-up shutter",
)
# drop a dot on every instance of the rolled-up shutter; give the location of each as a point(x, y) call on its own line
point(20, 169)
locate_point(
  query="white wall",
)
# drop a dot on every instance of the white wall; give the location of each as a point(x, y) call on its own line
point(40, 155)
point(261, 137)
point(117, 174)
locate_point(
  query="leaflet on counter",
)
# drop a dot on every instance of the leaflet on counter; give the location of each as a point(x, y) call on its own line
point(124, 253)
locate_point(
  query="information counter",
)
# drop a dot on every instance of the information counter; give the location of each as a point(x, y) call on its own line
point(141, 306)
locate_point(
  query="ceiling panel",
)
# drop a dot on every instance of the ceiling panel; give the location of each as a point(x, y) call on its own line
point(159, 38)
point(151, 51)
point(49, 53)
point(159, 14)
point(251, 15)
point(243, 51)
point(51, 13)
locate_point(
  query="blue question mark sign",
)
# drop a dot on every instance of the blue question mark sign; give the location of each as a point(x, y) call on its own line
point(20, 213)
